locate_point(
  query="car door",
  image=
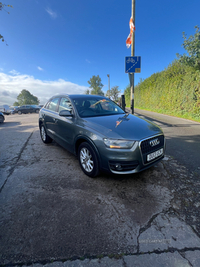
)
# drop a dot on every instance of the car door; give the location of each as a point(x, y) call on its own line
point(66, 126)
point(27, 109)
point(22, 109)
point(49, 117)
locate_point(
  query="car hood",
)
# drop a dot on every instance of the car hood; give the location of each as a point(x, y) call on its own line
point(119, 126)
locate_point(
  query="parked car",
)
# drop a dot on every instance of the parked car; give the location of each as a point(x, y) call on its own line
point(2, 118)
point(27, 109)
point(12, 109)
point(5, 109)
point(101, 134)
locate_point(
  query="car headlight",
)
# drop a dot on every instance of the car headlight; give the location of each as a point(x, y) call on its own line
point(118, 143)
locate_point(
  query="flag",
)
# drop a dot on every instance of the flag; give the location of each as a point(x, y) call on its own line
point(132, 29)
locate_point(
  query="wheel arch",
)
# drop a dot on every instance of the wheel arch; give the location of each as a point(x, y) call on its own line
point(40, 122)
point(82, 139)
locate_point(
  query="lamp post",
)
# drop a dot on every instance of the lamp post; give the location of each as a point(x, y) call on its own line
point(108, 85)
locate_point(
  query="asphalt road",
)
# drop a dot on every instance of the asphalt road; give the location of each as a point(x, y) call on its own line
point(183, 138)
point(51, 211)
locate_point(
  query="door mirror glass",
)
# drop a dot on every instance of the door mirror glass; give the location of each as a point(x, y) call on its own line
point(65, 113)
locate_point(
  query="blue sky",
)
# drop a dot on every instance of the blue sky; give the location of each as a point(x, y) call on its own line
point(57, 46)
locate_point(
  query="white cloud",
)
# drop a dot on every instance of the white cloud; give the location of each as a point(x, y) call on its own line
point(51, 13)
point(14, 72)
point(12, 85)
point(39, 68)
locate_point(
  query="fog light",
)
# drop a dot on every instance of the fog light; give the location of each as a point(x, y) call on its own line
point(118, 166)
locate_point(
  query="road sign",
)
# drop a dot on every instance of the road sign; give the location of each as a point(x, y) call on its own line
point(132, 64)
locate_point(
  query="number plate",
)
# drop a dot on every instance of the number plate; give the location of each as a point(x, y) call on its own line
point(155, 154)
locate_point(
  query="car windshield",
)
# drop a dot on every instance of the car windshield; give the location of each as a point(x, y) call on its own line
point(93, 107)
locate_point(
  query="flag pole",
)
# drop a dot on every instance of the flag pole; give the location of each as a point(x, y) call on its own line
point(131, 75)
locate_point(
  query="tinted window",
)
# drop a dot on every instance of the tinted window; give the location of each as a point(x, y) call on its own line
point(92, 107)
point(52, 105)
point(65, 104)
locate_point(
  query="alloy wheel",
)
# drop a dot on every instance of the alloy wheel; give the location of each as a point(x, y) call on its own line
point(43, 133)
point(86, 160)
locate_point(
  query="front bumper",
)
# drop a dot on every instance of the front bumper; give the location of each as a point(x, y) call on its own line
point(127, 161)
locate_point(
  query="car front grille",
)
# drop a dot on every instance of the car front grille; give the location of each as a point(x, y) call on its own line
point(151, 145)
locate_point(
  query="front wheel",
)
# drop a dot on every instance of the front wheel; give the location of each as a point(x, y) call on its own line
point(88, 160)
point(45, 138)
point(19, 112)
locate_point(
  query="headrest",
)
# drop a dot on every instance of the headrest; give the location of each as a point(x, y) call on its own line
point(86, 104)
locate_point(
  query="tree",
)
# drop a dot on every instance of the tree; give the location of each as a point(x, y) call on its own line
point(16, 104)
point(96, 85)
point(26, 98)
point(114, 93)
point(127, 93)
point(2, 7)
point(87, 92)
point(192, 46)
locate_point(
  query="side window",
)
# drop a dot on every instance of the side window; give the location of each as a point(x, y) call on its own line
point(52, 105)
point(65, 104)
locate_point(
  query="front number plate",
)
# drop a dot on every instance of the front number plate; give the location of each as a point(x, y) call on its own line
point(155, 154)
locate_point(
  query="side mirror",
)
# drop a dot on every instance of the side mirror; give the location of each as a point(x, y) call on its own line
point(65, 113)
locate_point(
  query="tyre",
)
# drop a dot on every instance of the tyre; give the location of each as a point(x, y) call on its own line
point(1, 119)
point(44, 136)
point(37, 111)
point(19, 112)
point(88, 160)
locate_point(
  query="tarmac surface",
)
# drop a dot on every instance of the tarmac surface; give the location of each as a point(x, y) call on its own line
point(54, 215)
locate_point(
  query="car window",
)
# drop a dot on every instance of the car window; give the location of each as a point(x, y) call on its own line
point(65, 104)
point(52, 105)
point(92, 107)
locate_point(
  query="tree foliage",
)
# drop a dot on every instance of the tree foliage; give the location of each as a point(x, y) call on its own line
point(192, 46)
point(87, 92)
point(2, 7)
point(127, 94)
point(113, 93)
point(96, 85)
point(26, 98)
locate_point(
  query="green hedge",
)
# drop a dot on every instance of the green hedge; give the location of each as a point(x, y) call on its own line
point(174, 91)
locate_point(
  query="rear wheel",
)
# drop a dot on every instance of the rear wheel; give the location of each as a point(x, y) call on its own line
point(88, 160)
point(44, 136)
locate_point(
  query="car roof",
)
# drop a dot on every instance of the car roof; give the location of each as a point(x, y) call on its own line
point(75, 96)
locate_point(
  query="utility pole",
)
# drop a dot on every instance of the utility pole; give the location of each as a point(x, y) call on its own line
point(108, 85)
point(131, 75)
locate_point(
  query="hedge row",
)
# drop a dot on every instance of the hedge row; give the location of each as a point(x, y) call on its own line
point(176, 91)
